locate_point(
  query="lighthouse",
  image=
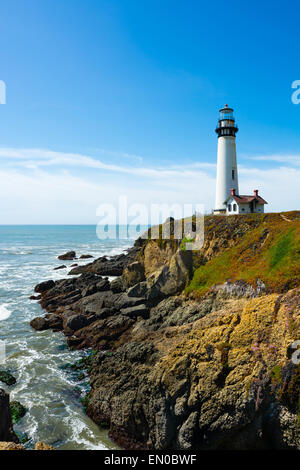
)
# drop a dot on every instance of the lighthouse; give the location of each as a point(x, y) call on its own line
point(227, 175)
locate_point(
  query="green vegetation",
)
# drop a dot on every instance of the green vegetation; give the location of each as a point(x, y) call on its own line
point(17, 411)
point(86, 401)
point(185, 241)
point(280, 250)
point(7, 378)
point(269, 250)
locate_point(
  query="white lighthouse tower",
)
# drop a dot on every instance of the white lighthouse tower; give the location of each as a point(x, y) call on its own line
point(227, 175)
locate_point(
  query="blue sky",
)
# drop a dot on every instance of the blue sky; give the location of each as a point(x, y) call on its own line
point(121, 97)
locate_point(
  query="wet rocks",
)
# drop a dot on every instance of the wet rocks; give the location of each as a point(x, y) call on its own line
point(44, 286)
point(7, 378)
point(104, 266)
point(35, 297)
point(40, 324)
point(76, 322)
point(85, 256)
point(17, 410)
point(6, 426)
point(63, 266)
point(70, 255)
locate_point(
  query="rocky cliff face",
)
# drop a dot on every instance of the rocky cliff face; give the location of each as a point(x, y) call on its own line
point(6, 427)
point(193, 350)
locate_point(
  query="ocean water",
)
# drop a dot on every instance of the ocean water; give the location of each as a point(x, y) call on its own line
point(50, 392)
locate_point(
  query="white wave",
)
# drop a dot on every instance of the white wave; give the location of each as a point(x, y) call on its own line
point(4, 313)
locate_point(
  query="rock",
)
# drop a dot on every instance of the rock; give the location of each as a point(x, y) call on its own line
point(76, 322)
point(6, 427)
point(186, 434)
point(60, 267)
point(121, 301)
point(42, 446)
point(44, 286)
point(133, 274)
point(35, 297)
point(117, 285)
point(11, 446)
point(102, 285)
point(108, 267)
point(40, 324)
point(7, 378)
point(73, 265)
point(240, 288)
point(172, 278)
point(67, 256)
point(86, 256)
point(137, 311)
point(55, 322)
point(17, 411)
point(138, 290)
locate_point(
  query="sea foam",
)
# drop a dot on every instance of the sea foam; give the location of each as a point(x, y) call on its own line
point(4, 313)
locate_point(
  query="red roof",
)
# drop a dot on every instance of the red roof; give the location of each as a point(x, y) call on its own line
point(243, 199)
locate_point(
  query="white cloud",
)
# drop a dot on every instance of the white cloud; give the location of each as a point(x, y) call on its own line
point(41, 186)
point(286, 159)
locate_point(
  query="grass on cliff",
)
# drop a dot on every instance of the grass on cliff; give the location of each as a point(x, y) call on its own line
point(270, 251)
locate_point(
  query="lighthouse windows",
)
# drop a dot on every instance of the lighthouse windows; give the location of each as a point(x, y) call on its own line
point(233, 174)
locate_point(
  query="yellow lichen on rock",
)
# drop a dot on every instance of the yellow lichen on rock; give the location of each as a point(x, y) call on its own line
point(10, 446)
point(223, 358)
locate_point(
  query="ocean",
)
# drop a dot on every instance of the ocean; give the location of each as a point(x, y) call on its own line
point(49, 391)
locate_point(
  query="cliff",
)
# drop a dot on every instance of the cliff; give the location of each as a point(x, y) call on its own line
point(192, 350)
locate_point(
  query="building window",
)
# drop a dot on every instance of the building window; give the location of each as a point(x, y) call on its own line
point(233, 174)
point(234, 207)
point(243, 209)
point(229, 207)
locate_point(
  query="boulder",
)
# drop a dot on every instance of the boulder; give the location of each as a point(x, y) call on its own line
point(76, 322)
point(117, 285)
point(44, 286)
point(137, 311)
point(40, 324)
point(172, 278)
point(86, 256)
point(120, 301)
point(17, 411)
point(63, 266)
point(7, 378)
point(133, 274)
point(104, 266)
point(138, 290)
point(67, 256)
point(101, 286)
